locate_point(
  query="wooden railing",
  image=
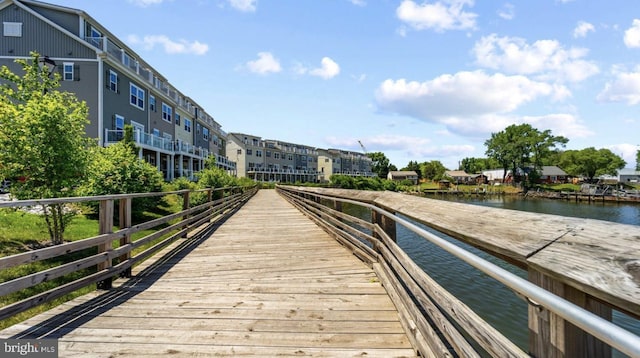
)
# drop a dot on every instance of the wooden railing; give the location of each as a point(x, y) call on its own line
point(579, 270)
point(109, 262)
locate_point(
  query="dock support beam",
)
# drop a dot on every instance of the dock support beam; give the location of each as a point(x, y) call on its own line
point(385, 223)
point(551, 336)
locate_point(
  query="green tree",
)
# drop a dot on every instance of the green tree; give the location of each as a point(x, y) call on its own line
point(117, 170)
point(43, 141)
point(521, 147)
point(413, 166)
point(433, 170)
point(591, 162)
point(638, 160)
point(476, 165)
point(380, 164)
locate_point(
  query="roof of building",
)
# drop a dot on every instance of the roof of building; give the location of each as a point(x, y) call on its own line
point(628, 171)
point(552, 170)
point(456, 173)
point(403, 173)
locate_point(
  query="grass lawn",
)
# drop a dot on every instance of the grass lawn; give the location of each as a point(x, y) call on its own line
point(21, 232)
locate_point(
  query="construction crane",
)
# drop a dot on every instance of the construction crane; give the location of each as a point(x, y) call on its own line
point(362, 146)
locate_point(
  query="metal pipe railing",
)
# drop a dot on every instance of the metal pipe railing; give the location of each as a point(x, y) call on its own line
point(617, 337)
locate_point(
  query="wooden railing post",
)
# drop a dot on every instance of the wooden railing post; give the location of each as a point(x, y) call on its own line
point(106, 227)
point(337, 205)
point(125, 223)
point(385, 223)
point(185, 205)
point(553, 337)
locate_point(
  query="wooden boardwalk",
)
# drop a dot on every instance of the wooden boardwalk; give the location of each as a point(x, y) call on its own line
point(267, 282)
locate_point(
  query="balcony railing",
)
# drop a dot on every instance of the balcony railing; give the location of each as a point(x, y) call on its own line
point(186, 148)
point(150, 141)
point(285, 171)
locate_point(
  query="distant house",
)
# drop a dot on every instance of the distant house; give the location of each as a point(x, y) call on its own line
point(551, 174)
point(496, 175)
point(458, 176)
point(403, 175)
point(479, 179)
point(628, 175)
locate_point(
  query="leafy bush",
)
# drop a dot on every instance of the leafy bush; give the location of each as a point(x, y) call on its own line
point(117, 170)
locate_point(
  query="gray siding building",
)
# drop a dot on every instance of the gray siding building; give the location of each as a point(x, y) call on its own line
point(119, 87)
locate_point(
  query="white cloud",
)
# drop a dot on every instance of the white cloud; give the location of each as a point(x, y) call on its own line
point(562, 124)
point(265, 64)
point(632, 35)
point(508, 11)
point(461, 94)
point(547, 59)
point(358, 2)
point(582, 29)
point(475, 104)
point(360, 78)
point(328, 69)
point(244, 5)
point(145, 3)
point(440, 16)
point(626, 151)
point(624, 88)
point(170, 46)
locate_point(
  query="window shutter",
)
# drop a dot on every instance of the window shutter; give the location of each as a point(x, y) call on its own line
point(76, 72)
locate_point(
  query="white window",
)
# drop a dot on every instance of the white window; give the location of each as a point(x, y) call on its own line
point(95, 38)
point(187, 125)
point(12, 29)
point(205, 133)
point(156, 132)
point(276, 155)
point(152, 103)
point(113, 81)
point(197, 128)
point(137, 96)
point(249, 152)
point(258, 153)
point(166, 112)
point(177, 119)
point(119, 122)
point(67, 71)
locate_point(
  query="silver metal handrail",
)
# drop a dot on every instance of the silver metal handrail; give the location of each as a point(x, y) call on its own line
point(617, 337)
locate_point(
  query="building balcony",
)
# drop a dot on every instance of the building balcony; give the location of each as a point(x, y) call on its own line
point(284, 171)
point(164, 145)
point(190, 149)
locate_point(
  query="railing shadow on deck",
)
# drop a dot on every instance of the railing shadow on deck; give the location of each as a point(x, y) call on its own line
point(194, 223)
point(440, 324)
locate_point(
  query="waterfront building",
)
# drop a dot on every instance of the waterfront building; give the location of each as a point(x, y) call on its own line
point(271, 160)
point(173, 132)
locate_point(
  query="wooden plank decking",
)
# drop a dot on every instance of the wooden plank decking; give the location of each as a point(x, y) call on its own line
point(267, 282)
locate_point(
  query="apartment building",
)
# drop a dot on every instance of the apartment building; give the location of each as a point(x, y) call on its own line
point(343, 162)
point(270, 160)
point(173, 132)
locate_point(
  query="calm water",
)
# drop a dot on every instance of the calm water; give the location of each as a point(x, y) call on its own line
point(490, 299)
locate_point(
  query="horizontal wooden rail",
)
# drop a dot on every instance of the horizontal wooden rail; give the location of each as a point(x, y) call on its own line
point(172, 227)
point(516, 237)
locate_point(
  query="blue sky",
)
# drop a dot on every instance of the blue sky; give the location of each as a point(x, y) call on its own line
point(417, 80)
